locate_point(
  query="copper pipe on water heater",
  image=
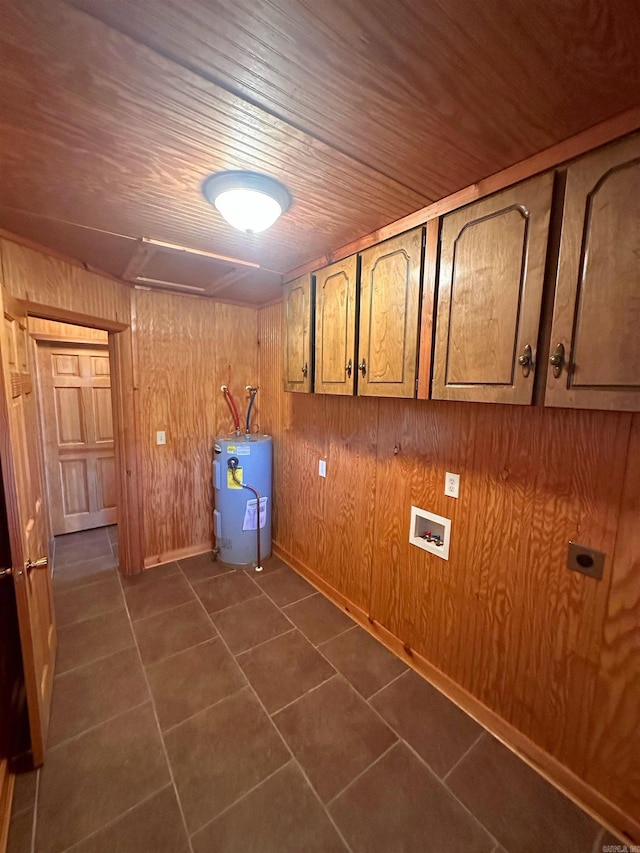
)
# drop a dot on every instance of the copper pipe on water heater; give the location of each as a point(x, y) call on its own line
point(233, 465)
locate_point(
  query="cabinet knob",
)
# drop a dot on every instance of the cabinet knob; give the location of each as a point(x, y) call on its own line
point(347, 368)
point(305, 370)
point(556, 360)
point(363, 367)
point(526, 360)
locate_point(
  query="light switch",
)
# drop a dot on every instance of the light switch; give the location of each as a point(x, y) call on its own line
point(161, 437)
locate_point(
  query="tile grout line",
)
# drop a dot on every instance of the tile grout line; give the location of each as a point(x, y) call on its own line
point(202, 710)
point(181, 652)
point(264, 642)
point(96, 726)
point(341, 634)
point(442, 782)
point(229, 606)
point(597, 842)
point(59, 587)
point(162, 743)
point(376, 712)
point(317, 645)
point(102, 613)
point(242, 796)
point(384, 686)
point(457, 799)
point(362, 772)
point(162, 612)
point(463, 756)
point(158, 613)
point(313, 689)
point(34, 824)
point(430, 770)
point(289, 603)
point(300, 767)
point(116, 556)
point(428, 767)
point(285, 744)
point(118, 817)
point(92, 661)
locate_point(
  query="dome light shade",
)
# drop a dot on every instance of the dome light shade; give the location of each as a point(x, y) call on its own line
point(249, 201)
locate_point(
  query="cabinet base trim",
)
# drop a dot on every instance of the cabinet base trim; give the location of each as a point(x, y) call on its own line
point(177, 554)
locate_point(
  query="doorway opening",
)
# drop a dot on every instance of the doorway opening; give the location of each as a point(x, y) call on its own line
point(73, 370)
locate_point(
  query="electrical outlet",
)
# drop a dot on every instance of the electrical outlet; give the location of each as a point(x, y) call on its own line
point(452, 485)
point(161, 437)
point(322, 468)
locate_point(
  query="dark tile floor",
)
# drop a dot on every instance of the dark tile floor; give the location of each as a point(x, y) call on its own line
point(201, 709)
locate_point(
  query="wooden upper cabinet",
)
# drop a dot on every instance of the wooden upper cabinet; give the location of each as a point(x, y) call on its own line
point(298, 356)
point(335, 362)
point(595, 335)
point(491, 277)
point(389, 314)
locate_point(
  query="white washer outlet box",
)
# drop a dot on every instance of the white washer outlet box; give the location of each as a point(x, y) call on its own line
point(452, 485)
point(322, 467)
point(430, 532)
point(161, 437)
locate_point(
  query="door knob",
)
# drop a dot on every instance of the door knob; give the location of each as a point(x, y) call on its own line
point(347, 368)
point(42, 563)
point(305, 370)
point(363, 367)
point(5, 573)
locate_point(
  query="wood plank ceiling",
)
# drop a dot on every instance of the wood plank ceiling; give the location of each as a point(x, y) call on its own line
point(112, 113)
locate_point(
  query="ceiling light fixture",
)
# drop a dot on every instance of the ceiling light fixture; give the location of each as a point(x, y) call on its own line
point(249, 201)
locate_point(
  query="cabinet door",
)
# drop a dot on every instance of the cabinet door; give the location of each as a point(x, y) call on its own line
point(491, 277)
point(389, 306)
point(298, 306)
point(596, 316)
point(335, 327)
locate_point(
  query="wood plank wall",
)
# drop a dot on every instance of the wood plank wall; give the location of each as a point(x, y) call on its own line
point(553, 653)
point(43, 280)
point(186, 349)
point(179, 351)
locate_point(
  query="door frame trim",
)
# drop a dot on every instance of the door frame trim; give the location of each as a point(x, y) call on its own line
point(7, 782)
point(40, 345)
point(122, 356)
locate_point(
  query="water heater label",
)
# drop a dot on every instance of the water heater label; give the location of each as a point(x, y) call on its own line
point(251, 514)
point(242, 450)
point(231, 483)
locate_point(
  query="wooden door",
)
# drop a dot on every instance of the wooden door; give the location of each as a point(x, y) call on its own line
point(596, 316)
point(298, 355)
point(75, 389)
point(335, 351)
point(23, 488)
point(389, 316)
point(491, 277)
